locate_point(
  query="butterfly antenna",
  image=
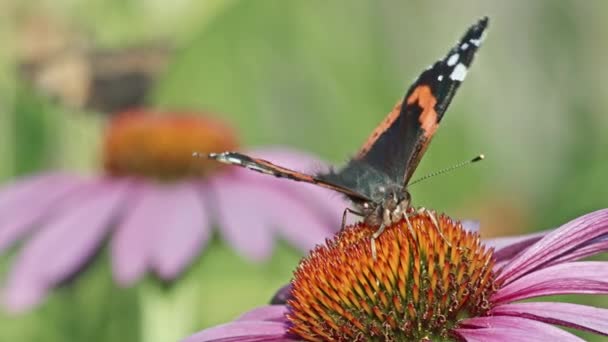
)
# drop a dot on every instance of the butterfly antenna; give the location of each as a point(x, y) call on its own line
point(448, 169)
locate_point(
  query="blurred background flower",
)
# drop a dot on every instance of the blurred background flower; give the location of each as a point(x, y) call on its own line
point(158, 203)
point(318, 77)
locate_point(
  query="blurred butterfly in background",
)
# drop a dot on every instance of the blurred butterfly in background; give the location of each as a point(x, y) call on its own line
point(64, 64)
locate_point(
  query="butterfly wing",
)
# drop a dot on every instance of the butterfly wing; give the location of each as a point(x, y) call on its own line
point(268, 168)
point(393, 150)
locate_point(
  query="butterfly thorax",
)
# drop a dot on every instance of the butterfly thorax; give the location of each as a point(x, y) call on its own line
point(390, 209)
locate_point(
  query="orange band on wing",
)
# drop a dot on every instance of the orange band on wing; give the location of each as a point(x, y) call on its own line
point(384, 125)
point(428, 118)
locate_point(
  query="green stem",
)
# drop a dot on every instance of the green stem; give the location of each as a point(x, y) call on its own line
point(168, 314)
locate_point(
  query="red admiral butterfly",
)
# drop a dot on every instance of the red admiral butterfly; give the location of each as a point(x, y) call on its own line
point(376, 179)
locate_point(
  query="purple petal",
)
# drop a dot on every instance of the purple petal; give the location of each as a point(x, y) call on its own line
point(165, 227)
point(328, 205)
point(506, 248)
point(557, 244)
point(305, 214)
point(182, 231)
point(245, 331)
point(275, 313)
point(504, 328)
point(508, 241)
point(23, 188)
point(27, 296)
point(576, 316)
point(63, 245)
point(596, 246)
point(574, 277)
point(277, 210)
point(296, 223)
point(242, 216)
point(131, 244)
point(24, 205)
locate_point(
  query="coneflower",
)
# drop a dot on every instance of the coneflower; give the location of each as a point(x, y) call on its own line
point(156, 204)
point(425, 287)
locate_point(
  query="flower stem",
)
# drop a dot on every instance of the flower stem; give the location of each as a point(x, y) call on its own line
point(167, 313)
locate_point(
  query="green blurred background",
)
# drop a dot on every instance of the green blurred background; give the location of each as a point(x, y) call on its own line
point(318, 76)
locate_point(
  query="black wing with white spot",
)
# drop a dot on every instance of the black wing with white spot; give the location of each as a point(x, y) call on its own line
point(394, 149)
point(396, 146)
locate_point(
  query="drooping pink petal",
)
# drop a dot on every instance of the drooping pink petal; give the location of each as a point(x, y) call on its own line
point(25, 187)
point(557, 243)
point(576, 316)
point(184, 231)
point(505, 328)
point(296, 222)
point(507, 248)
point(242, 216)
point(275, 313)
point(267, 323)
point(245, 331)
point(164, 228)
point(594, 247)
point(243, 203)
point(64, 244)
point(328, 205)
point(27, 204)
point(132, 241)
point(568, 278)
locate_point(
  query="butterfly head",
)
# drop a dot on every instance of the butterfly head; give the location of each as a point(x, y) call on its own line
point(390, 209)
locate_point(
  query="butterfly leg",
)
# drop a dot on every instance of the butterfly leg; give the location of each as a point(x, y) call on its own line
point(433, 219)
point(348, 210)
point(375, 236)
point(386, 217)
point(406, 216)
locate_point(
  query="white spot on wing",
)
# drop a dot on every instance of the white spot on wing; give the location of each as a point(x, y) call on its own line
point(464, 46)
point(233, 160)
point(440, 78)
point(459, 73)
point(477, 42)
point(453, 59)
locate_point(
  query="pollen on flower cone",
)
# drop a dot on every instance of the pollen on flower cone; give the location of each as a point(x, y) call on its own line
point(422, 281)
point(143, 143)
